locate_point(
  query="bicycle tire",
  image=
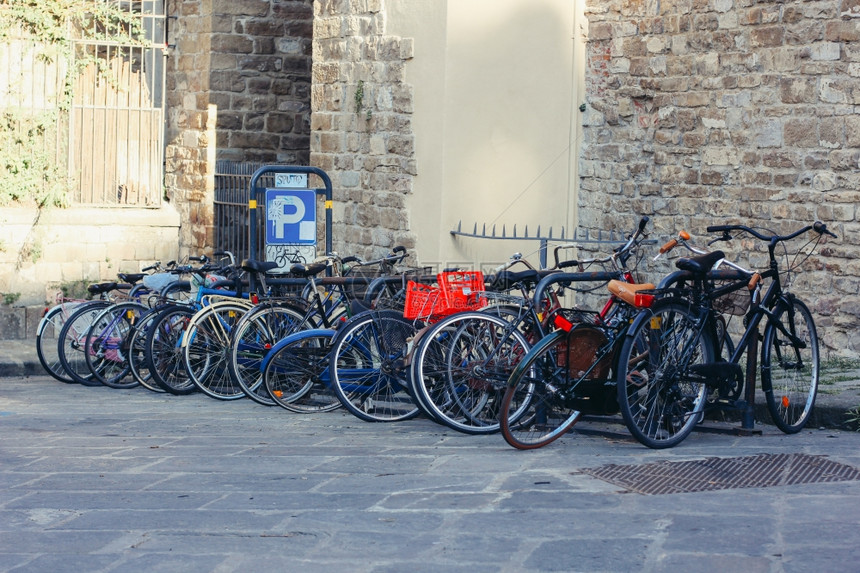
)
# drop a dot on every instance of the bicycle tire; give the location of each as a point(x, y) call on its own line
point(297, 375)
point(206, 350)
point(368, 366)
point(106, 349)
point(164, 356)
point(537, 407)
point(461, 366)
point(659, 401)
point(254, 335)
point(137, 363)
point(789, 379)
point(47, 336)
point(72, 340)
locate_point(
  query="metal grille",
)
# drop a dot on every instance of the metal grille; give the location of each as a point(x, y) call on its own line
point(710, 474)
point(116, 124)
point(231, 206)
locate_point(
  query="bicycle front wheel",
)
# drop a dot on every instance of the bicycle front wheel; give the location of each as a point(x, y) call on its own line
point(47, 336)
point(206, 348)
point(107, 346)
point(660, 399)
point(72, 341)
point(790, 366)
point(368, 366)
point(537, 407)
point(461, 367)
point(258, 331)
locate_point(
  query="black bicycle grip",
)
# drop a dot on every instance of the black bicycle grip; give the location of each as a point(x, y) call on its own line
point(821, 229)
point(350, 259)
point(719, 228)
point(643, 222)
point(149, 268)
point(398, 249)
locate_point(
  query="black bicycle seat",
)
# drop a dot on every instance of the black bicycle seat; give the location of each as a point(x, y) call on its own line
point(700, 264)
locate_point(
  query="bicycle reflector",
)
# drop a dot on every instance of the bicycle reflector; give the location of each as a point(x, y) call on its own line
point(562, 323)
point(643, 300)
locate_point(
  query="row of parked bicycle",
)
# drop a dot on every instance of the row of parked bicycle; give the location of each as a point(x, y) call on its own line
point(503, 352)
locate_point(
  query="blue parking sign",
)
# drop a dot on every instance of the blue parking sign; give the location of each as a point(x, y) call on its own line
point(291, 217)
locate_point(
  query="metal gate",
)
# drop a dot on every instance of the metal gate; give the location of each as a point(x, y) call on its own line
point(116, 124)
point(232, 217)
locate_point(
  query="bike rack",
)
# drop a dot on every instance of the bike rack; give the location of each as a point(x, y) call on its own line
point(584, 237)
point(257, 192)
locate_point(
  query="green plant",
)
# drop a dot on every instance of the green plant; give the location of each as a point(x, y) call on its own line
point(75, 289)
point(10, 298)
point(359, 101)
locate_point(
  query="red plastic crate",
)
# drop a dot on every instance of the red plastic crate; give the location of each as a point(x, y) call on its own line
point(460, 289)
point(457, 291)
point(422, 301)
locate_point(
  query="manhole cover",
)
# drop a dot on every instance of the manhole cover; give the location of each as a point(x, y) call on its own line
point(763, 470)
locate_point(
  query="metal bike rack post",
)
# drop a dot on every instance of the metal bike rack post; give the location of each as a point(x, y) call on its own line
point(255, 192)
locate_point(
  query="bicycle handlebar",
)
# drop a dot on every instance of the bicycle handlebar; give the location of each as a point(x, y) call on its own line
point(818, 227)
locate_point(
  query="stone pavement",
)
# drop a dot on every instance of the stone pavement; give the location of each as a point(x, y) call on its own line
point(95, 479)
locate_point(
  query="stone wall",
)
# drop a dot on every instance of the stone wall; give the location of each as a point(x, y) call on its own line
point(238, 89)
point(361, 132)
point(701, 112)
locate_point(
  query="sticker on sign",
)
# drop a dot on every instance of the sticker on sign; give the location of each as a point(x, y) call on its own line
point(291, 180)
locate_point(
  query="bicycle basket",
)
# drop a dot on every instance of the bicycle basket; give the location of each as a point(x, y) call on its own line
point(736, 302)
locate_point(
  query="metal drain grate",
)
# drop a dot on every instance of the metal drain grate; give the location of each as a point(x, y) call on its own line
point(763, 470)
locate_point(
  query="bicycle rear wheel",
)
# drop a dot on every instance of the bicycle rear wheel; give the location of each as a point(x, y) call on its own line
point(297, 376)
point(790, 367)
point(660, 400)
point(368, 366)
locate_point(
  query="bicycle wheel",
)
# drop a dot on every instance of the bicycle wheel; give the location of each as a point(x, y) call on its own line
point(297, 376)
point(164, 356)
point(368, 366)
point(790, 366)
point(254, 335)
point(72, 339)
point(137, 363)
point(660, 400)
point(539, 404)
point(461, 366)
point(206, 349)
point(107, 344)
point(47, 337)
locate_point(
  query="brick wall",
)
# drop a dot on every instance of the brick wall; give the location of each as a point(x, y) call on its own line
point(361, 132)
point(731, 111)
point(238, 89)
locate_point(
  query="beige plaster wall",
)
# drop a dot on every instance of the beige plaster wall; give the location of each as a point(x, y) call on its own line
point(41, 252)
point(495, 120)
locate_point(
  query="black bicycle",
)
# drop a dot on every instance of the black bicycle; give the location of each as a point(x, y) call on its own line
point(672, 364)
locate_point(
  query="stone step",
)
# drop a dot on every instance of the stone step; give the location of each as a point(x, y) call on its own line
point(19, 322)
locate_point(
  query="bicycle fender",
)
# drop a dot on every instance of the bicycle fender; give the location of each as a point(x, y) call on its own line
point(301, 335)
